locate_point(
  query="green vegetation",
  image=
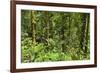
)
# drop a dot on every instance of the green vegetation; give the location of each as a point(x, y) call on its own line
point(54, 36)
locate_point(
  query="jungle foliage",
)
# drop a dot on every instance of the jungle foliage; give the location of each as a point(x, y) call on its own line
point(54, 36)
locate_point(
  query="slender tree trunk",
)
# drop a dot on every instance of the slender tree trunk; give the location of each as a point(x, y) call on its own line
point(33, 26)
point(63, 32)
point(87, 31)
point(69, 35)
point(47, 23)
point(82, 41)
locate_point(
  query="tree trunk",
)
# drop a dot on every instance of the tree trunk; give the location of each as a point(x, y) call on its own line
point(87, 31)
point(33, 26)
point(63, 32)
point(69, 35)
point(82, 41)
point(47, 23)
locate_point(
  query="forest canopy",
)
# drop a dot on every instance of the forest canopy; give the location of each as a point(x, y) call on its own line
point(54, 36)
